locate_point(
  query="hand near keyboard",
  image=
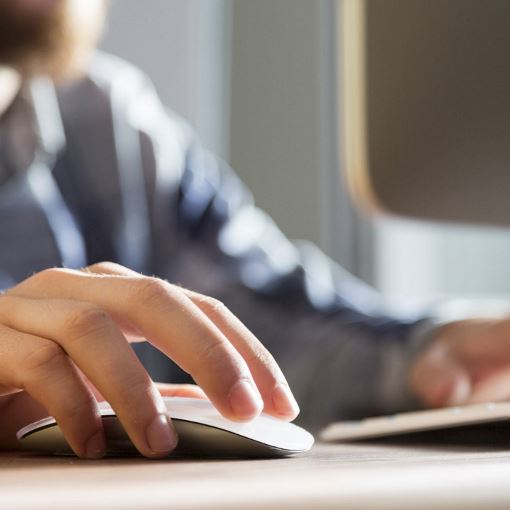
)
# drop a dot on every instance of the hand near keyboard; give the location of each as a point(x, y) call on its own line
point(468, 362)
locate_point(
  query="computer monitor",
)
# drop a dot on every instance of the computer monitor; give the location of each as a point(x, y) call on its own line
point(426, 107)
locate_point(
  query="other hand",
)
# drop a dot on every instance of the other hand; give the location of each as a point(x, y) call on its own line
point(468, 362)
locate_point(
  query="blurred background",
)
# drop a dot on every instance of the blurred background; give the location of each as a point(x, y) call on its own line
point(258, 80)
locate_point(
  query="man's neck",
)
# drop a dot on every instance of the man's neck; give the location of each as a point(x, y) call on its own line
point(10, 83)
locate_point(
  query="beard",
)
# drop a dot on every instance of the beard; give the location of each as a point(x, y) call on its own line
point(48, 40)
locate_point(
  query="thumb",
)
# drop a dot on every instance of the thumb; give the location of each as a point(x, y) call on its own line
point(181, 390)
point(439, 379)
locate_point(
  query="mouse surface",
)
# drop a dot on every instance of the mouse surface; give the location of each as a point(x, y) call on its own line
point(202, 431)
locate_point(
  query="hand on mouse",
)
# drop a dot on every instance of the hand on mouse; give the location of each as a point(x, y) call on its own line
point(61, 328)
point(468, 362)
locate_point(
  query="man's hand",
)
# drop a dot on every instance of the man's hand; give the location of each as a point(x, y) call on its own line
point(65, 333)
point(468, 362)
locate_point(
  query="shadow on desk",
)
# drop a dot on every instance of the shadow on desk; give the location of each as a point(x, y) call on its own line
point(490, 436)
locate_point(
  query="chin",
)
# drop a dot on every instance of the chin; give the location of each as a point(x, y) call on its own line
point(53, 37)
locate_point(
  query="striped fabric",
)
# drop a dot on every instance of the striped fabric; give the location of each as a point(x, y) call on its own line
point(98, 170)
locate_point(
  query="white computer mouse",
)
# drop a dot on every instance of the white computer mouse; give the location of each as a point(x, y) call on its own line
point(202, 431)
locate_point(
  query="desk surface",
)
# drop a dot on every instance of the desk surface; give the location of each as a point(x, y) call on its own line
point(355, 476)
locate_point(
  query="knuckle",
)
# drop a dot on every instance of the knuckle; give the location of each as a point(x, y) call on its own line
point(214, 306)
point(106, 266)
point(261, 355)
point(47, 357)
point(136, 389)
point(139, 384)
point(47, 274)
point(79, 407)
point(150, 291)
point(86, 321)
point(214, 353)
point(47, 278)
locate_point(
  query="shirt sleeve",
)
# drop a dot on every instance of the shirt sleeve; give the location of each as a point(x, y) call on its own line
point(343, 357)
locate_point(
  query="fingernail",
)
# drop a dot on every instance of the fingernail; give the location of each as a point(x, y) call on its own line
point(284, 402)
point(96, 446)
point(245, 400)
point(161, 436)
point(459, 393)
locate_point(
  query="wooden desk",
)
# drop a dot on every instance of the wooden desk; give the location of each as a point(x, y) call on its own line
point(362, 476)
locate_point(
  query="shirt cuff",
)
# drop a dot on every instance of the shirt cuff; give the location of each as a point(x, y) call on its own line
point(396, 359)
